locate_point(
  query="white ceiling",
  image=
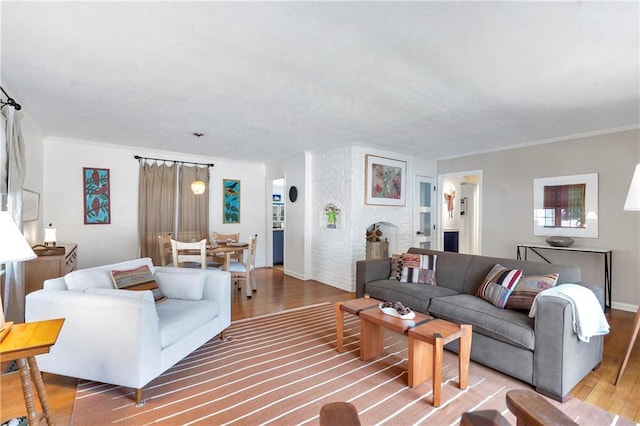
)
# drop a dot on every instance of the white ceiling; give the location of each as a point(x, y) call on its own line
point(266, 80)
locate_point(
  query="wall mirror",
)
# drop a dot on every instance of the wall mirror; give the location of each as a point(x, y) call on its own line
point(566, 206)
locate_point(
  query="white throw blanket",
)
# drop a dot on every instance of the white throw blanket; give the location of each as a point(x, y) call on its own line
point(588, 318)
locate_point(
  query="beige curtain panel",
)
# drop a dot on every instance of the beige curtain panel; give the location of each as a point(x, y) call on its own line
point(193, 210)
point(156, 206)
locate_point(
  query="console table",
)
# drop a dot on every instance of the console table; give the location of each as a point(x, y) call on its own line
point(608, 262)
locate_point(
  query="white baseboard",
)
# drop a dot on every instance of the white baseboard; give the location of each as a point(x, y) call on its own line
point(625, 307)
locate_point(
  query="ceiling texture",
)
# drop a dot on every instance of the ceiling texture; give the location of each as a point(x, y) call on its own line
point(267, 80)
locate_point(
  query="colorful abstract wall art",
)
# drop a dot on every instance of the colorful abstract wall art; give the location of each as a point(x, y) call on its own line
point(230, 201)
point(97, 193)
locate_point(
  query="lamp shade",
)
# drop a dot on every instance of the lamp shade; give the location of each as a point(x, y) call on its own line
point(198, 187)
point(13, 246)
point(633, 197)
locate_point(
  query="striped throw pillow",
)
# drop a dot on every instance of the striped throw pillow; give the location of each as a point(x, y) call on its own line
point(137, 279)
point(498, 285)
point(396, 267)
point(419, 268)
point(528, 288)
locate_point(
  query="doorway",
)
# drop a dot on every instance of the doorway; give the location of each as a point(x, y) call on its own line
point(277, 223)
point(424, 219)
point(460, 196)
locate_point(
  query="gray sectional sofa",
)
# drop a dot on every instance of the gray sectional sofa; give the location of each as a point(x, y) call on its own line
point(544, 352)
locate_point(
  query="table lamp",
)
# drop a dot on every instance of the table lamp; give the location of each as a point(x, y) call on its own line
point(13, 248)
point(632, 203)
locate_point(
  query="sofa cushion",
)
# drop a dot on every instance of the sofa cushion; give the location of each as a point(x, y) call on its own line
point(100, 276)
point(181, 286)
point(180, 317)
point(498, 285)
point(509, 326)
point(419, 268)
point(415, 296)
point(528, 288)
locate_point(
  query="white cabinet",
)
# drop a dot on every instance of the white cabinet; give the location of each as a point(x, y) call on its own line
point(278, 215)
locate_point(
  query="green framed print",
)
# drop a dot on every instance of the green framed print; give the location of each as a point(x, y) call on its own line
point(230, 201)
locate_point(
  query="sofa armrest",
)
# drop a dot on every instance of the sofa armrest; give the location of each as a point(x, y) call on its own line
point(105, 338)
point(217, 286)
point(596, 289)
point(371, 270)
point(560, 359)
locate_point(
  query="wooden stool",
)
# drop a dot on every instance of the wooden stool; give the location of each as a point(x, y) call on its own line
point(531, 409)
point(353, 307)
point(426, 344)
point(339, 414)
point(483, 418)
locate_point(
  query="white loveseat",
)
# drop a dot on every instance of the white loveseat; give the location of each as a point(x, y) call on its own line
point(122, 337)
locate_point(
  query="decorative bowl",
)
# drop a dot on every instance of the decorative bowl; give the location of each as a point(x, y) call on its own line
point(393, 312)
point(558, 241)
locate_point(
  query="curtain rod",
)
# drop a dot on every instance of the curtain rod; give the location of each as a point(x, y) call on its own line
point(10, 101)
point(137, 157)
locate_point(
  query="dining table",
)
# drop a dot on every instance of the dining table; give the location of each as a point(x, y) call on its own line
point(225, 250)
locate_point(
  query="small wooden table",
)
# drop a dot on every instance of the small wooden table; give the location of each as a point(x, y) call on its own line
point(353, 307)
point(372, 325)
point(22, 344)
point(426, 343)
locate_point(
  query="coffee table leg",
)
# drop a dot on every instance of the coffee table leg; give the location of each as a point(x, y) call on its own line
point(339, 326)
point(464, 355)
point(420, 361)
point(438, 355)
point(371, 340)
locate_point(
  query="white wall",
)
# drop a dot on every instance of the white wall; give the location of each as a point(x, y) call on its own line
point(103, 244)
point(508, 203)
point(339, 178)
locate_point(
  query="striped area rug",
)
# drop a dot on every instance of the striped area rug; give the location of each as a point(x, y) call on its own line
point(280, 369)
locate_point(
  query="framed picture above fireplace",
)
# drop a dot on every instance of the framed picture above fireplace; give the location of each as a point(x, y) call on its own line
point(385, 181)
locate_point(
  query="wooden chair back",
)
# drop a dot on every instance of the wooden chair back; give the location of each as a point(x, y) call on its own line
point(224, 237)
point(186, 254)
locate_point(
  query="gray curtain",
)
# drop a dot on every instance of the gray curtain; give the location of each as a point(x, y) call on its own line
point(193, 212)
point(12, 173)
point(156, 206)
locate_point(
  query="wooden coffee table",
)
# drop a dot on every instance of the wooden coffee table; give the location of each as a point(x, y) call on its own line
point(372, 325)
point(426, 344)
point(353, 307)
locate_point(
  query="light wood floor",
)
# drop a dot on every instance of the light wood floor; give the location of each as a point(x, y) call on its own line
point(277, 292)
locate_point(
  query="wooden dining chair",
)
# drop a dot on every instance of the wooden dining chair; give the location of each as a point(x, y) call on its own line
point(164, 244)
point(189, 255)
point(243, 271)
point(226, 237)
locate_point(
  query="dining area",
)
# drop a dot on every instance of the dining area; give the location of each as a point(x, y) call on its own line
point(225, 252)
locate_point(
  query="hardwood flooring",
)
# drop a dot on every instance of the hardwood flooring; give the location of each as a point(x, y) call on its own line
point(277, 292)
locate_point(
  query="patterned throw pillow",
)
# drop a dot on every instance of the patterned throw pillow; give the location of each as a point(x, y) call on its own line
point(498, 285)
point(137, 279)
point(419, 268)
point(528, 288)
point(396, 267)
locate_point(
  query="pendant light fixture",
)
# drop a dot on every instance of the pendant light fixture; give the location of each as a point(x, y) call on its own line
point(198, 186)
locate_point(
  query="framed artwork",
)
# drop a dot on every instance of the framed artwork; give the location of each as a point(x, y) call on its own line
point(97, 193)
point(30, 205)
point(566, 206)
point(385, 181)
point(230, 201)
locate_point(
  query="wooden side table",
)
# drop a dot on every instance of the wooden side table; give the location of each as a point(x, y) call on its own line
point(426, 344)
point(22, 344)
